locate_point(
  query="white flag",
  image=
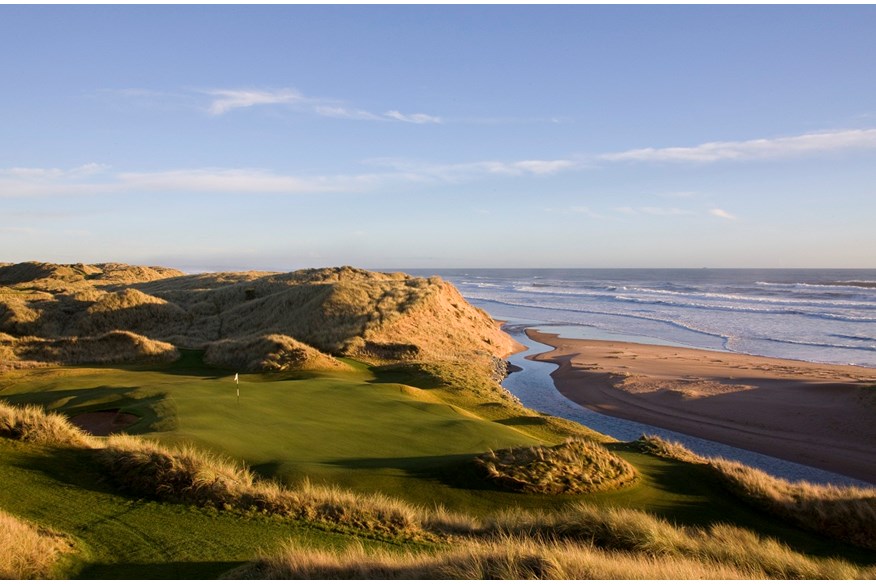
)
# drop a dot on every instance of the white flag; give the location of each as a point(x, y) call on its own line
point(236, 378)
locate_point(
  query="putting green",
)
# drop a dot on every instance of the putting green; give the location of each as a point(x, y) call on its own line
point(341, 428)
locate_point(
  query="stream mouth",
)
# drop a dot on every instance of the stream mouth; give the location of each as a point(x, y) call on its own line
point(531, 382)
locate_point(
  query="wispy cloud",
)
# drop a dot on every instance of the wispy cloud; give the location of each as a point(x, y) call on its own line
point(454, 172)
point(654, 211)
point(98, 180)
point(765, 148)
point(331, 111)
point(412, 118)
point(227, 100)
point(722, 214)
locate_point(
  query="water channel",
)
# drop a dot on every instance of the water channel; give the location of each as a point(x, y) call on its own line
point(534, 387)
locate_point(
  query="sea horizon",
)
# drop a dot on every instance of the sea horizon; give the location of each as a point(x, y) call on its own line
point(817, 315)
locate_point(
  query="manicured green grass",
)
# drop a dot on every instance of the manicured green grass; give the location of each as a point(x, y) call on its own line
point(362, 430)
point(124, 538)
point(334, 428)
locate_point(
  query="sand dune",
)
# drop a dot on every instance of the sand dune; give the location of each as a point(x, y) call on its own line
point(820, 415)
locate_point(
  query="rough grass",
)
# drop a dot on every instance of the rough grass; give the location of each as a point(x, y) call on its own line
point(843, 513)
point(639, 532)
point(508, 559)
point(576, 466)
point(112, 347)
point(269, 353)
point(524, 558)
point(28, 551)
point(187, 475)
point(33, 424)
point(342, 311)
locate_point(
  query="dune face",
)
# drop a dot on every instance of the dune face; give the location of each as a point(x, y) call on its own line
point(378, 317)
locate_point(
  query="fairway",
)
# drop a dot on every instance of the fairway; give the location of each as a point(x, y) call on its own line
point(339, 428)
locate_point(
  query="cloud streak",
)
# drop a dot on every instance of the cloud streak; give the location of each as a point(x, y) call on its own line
point(765, 148)
point(227, 100)
point(722, 214)
point(98, 179)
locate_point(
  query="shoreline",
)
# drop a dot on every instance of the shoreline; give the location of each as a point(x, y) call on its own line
point(815, 414)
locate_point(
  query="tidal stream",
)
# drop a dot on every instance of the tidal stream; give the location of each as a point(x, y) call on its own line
point(534, 387)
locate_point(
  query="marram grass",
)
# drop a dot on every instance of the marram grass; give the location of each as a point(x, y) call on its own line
point(524, 558)
point(845, 513)
point(28, 551)
point(188, 475)
point(575, 542)
point(33, 424)
point(573, 467)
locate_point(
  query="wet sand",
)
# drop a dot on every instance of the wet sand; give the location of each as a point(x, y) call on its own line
point(814, 414)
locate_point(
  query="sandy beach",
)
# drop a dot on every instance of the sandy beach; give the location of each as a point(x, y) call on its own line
point(820, 415)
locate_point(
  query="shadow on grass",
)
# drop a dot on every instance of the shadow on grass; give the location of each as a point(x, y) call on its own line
point(701, 498)
point(453, 470)
point(73, 467)
point(190, 363)
point(157, 571)
point(155, 411)
point(407, 374)
point(523, 421)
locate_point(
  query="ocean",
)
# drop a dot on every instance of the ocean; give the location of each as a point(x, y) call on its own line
point(826, 316)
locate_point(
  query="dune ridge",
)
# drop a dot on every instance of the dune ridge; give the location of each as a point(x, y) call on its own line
point(48, 312)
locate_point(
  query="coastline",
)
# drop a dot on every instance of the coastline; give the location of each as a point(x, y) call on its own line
point(814, 414)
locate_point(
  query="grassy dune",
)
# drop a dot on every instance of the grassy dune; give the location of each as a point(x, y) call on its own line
point(268, 353)
point(844, 513)
point(576, 466)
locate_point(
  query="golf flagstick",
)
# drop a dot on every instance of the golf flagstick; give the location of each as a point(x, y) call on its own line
point(237, 382)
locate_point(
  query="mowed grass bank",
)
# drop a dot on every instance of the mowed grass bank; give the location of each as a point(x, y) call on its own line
point(338, 428)
point(346, 429)
point(120, 537)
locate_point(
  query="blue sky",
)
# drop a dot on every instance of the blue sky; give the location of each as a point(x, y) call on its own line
point(280, 137)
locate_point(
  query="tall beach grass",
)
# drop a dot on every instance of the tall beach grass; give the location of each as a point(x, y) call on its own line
point(573, 467)
point(521, 558)
point(845, 513)
point(28, 551)
point(35, 425)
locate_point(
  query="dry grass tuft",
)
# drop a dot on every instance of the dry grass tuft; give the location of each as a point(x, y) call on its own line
point(637, 532)
point(187, 475)
point(509, 558)
point(843, 513)
point(269, 353)
point(576, 466)
point(27, 551)
point(33, 424)
point(667, 449)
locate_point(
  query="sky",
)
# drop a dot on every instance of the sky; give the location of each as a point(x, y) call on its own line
point(388, 137)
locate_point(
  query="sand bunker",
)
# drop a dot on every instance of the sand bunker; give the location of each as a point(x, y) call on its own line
point(104, 423)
